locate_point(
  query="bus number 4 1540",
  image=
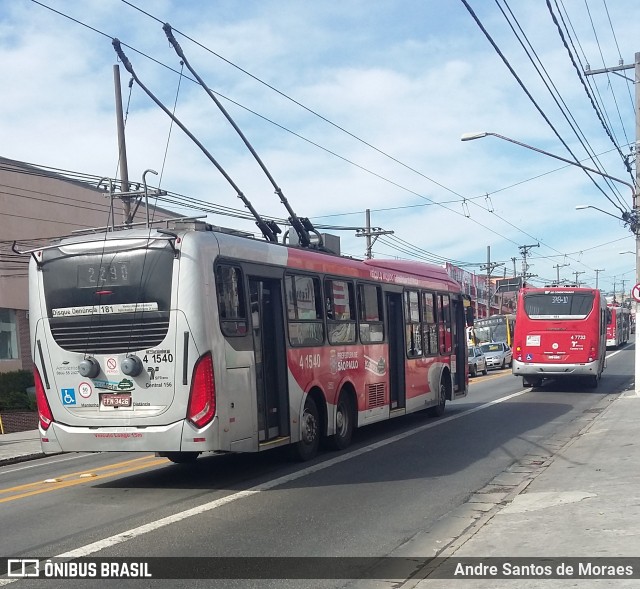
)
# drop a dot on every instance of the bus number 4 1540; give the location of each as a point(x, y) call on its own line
point(310, 361)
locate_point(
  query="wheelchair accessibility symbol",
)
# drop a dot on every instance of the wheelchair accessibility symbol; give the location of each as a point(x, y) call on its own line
point(68, 396)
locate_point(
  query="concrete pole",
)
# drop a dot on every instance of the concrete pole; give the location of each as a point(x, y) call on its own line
point(122, 149)
point(368, 223)
point(636, 211)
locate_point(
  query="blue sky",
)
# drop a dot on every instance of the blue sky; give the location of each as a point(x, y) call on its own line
point(387, 89)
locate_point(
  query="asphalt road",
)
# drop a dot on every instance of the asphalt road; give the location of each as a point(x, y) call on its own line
point(396, 480)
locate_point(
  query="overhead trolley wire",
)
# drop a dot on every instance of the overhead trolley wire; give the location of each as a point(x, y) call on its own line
point(531, 98)
point(553, 91)
point(580, 75)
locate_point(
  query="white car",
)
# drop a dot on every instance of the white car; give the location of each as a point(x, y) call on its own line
point(498, 354)
point(477, 361)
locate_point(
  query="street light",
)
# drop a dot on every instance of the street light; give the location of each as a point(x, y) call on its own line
point(629, 218)
point(581, 207)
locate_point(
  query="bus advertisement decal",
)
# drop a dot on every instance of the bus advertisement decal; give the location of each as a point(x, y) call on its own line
point(124, 385)
point(378, 367)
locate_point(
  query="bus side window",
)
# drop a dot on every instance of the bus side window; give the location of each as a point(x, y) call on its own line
point(370, 314)
point(231, 300)
point(304, 310)
point(412, 324)
point(445, 324)
point(341, 312)
point(430, 324)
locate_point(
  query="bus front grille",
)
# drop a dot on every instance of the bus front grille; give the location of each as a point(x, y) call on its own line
point(114, 337)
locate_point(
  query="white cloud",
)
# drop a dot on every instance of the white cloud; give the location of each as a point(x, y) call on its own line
point(407, 77)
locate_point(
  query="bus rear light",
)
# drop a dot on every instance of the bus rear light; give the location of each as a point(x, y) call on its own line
point(44, 411)
point(202, 397)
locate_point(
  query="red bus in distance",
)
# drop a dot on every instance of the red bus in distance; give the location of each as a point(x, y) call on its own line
point(560, 333)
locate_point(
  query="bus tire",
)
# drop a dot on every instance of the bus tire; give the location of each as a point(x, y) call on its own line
point(533, 383)
point(438, 410)
point(181, 457)
point(344, 423)
point(310, 430)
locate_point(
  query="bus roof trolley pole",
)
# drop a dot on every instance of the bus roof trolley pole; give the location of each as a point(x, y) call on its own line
point(269, 228)
point(301, 226)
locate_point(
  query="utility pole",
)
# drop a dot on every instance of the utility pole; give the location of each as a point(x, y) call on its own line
point(597, 271)
point(369, 233)
point(122, 148)
point(636, 193)
point(557, 267)
point(515, 273)
point(489, 267)
point(524, 250)
point(577, 272)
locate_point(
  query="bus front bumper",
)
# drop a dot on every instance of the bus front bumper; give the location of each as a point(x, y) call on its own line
point(532, 369)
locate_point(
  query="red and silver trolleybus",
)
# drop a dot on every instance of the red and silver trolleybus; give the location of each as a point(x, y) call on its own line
point(192, 339)
point(560, 332)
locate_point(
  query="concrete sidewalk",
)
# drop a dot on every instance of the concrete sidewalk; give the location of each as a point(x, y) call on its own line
point(20, 446)
point(582, 501)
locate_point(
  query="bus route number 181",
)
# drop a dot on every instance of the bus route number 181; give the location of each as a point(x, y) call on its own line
point(310, 361)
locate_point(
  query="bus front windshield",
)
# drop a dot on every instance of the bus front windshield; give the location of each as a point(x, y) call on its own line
point(565, 305)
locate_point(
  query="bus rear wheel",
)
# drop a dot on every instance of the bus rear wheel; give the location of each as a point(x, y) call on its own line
point(344, 424)
point(181, 457)
point(438, 410)
point(592, 381)
point(533, 382)
point(310, 429)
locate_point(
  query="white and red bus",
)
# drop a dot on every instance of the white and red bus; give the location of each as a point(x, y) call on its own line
point(560, 332)
point(618, 326)
point(194, 339)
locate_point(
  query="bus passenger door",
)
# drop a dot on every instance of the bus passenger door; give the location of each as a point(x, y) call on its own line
point(270, 357)
point(458, 326)
point(395, 318)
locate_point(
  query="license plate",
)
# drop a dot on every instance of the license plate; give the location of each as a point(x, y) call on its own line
point(116, 400)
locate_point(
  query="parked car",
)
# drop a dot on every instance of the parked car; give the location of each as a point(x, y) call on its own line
point(477, 361)
point(497, 354)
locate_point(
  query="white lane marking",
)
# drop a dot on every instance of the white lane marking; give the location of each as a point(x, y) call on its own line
point(146, 528)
